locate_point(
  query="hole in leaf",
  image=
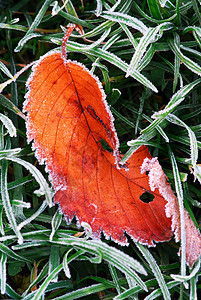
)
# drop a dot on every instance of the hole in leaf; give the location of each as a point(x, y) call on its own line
point(147, 197)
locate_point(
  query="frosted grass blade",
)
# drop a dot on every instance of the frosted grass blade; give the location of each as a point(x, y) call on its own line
point(156, 270)
point(99, 8)
point(33, 216)
point(6, 201)
point(33, 26)
point(44, 187)
point(56, 221)
point(5, 249)
point(193, 141)
point(190, 64)
point(150, 36)
point(9, 125)
point(176, 99)
point(179, 192)
point(3, 261)
point(125, 19)
point(5, 70)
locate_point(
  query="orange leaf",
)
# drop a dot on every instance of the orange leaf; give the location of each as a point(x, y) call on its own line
point(68, 117)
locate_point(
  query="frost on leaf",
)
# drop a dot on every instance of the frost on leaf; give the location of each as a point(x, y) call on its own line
point(158, 180)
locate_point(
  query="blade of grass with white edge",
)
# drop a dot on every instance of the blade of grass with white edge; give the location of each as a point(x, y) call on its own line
point(54, 260)
point(193, 282)
point(156, 271)
point(115, 5)
point(6, 201)
point(193, 273)
point(115, 278)
point(56, 8)
point(40, 292)
point(34, 24)
point(196, 33)
point(13, 27)
point(147, 17)
point(190, 64)
point(149, 283)
point(9, 125)
point(10, 105)
point(125, 19)
point(3, 261)
point(5, 70)
point(56, 221)
point(4, 84)
point(129, 35)
point(147, 57)
point(176, 66)
point(157, 292)
point(121, 261)
point(179, 192)
point(132, 284)
point(99, 8)
point(86, 291)
point(21, 203)
point(143, 140)
point(193, 288)
point(44, 187)
point(1, 221)
point(5, 249)
point(150, 36)
point(193, 141)
point(33, 216)
point(175, 100)
point(8, 153)
point(67, 260)
point(43, 273)
point(193, 52)
point(65, 264)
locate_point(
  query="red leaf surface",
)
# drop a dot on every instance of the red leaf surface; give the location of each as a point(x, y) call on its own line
point(68, 117)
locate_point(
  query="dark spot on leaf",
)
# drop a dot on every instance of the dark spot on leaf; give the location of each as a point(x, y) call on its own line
point(147, 197)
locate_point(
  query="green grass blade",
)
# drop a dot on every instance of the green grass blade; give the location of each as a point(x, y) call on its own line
point(8, 124)
point(179, 192)
point(125, 19)
point(5, 70)
point(54, 260)
point(190, 64)
point(154, 9)
point(33, 26)
point(150, 36)
point(193, 141)
point(84, 292)
point(44, 187)
point(40, 292)
point(56, 221)
point(33, 216)
point(6, 201)
point(175, 100)
point(156, 270)
point(5, 249)
point(3, 261)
